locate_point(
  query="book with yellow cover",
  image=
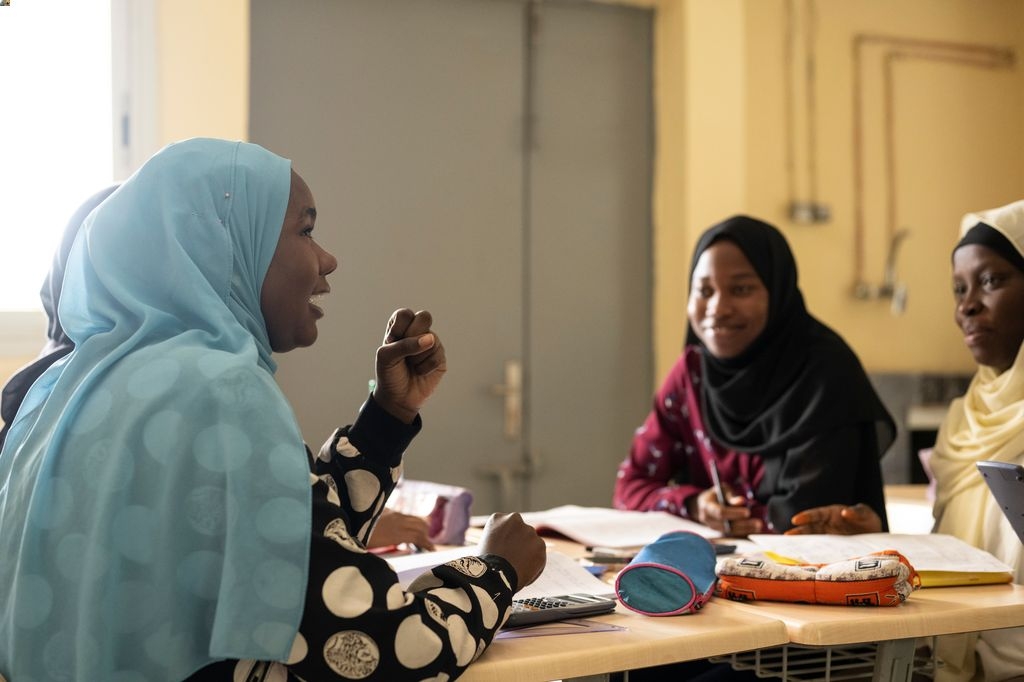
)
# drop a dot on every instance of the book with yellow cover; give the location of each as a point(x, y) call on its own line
point(940, 560)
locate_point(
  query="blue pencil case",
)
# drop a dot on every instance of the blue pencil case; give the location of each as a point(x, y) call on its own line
point(673, 575)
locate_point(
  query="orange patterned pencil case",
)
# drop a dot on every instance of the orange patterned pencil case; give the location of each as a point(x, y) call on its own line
point(879, 579)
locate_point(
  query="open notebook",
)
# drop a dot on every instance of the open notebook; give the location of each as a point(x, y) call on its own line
point(940, 560)
point(1006, 481)
point(604, 527)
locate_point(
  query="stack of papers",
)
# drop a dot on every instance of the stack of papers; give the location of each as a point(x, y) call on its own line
point(940, 560)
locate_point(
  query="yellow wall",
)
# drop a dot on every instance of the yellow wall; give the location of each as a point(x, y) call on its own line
point(721, 144)
point(700, 150)
point(723, 136)
point(958, 147)
point(203, 66)
point(11, 364)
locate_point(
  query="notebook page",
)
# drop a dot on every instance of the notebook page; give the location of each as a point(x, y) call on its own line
point(925, 552)
point(604, 527)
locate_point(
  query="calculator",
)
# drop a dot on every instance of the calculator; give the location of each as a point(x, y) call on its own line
point(535, 610)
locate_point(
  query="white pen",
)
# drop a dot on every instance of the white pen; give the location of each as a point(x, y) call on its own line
point(720, 492)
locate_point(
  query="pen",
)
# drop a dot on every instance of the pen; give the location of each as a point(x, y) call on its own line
point(720, 492)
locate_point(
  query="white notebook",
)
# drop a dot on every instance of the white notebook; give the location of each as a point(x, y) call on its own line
point(605, 527)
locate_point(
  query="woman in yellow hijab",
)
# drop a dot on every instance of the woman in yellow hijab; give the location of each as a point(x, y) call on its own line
point(986, 423)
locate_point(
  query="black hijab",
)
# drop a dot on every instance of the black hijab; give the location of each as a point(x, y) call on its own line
point(57, 343)
point(798, 379)
point(987, 236)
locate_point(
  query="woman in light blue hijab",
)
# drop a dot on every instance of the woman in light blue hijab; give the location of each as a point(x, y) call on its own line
point(160, 516)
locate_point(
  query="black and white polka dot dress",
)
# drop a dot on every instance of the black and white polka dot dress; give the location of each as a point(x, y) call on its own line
point(358, 622)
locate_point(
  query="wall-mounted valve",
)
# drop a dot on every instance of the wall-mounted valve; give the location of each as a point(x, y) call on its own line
point(889, 288)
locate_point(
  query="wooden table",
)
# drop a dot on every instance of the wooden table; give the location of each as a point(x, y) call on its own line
point(646, 641)
point(928, 612)
point(725, 627)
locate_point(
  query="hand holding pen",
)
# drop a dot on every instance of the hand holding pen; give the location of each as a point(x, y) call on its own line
point(718, 508)
point(716, 481)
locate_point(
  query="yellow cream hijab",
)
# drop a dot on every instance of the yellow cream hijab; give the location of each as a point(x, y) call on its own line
point(987, 423)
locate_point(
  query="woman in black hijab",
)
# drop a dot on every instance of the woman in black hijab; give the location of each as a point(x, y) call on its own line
point(57, 344)
point(764, 395)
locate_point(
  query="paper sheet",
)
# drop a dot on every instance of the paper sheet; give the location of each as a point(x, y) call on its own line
point(925, 552)
point(409, 566)
point(604, 527)
point(562, 575)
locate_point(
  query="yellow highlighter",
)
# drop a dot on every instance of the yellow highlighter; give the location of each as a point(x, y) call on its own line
point(786, 560)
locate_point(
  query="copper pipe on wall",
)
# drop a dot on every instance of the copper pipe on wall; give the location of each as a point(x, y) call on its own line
point(889, 107)
point(810, 101)
point(898, 48)
point(788, 87)
point(805, 208)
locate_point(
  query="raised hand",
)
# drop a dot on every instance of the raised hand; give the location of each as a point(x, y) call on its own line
point(509, 537)
point(410, 364)
point(837, 519)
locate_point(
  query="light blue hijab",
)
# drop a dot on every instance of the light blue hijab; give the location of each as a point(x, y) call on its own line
point(154, 487)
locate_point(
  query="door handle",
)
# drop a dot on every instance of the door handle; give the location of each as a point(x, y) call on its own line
point(512, 391)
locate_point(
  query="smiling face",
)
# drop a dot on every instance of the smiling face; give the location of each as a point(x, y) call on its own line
point(989, 293)
point(728, 306)
point(297, 275)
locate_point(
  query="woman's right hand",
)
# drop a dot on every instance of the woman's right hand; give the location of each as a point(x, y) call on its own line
point(509, 537)
point(706, 509)
point(410, 363)
point(837, 519)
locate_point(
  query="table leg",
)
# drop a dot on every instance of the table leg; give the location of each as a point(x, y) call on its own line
point(894, 661)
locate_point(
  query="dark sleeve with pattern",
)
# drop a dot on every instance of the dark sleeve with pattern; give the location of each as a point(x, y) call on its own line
point(358, 622)
point(655, 476)
point(829, 469)
point(361, 465)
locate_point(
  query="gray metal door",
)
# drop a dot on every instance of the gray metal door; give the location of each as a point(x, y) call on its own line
point(589, 305)
point(465, 160)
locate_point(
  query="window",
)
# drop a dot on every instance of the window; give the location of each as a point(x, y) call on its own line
point(63, 134)
point(56, 132)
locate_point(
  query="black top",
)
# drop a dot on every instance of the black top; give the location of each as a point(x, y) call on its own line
point(798, 381)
